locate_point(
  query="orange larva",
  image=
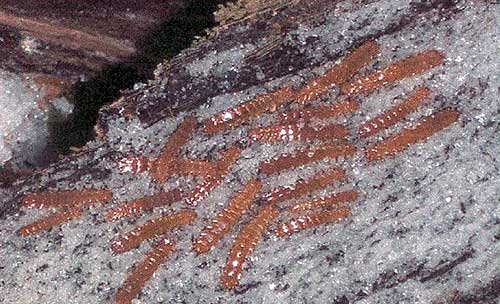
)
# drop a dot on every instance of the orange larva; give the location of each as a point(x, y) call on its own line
point(424, 129)
point(203, 189)
point(339, 74)
point(225, 221)
point(395, 114)
point(309, 221)
point(70, 198)
point(325, 201)
point(319, 112)
point(196, 167)
point(244, 244)
point(246, 111)
point(305, 156)
point(410, 66)
point(145, 203)
point(164, 165)
point(143, 271)
point(151, 229)
point(56, 218)
point(304, 187)
point(295, 132)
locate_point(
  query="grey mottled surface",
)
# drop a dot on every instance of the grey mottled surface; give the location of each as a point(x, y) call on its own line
point(425, 229)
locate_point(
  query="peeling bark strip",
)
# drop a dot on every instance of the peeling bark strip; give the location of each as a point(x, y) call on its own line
point(202, 190)
point(151, 229)
point(143, 271)
point(296, 132)
point(325, 201)
point(244, 244)
point(304, 187)
point(56, 218)
point(319, 112)
point(138, 206)
point(164, 164)
point(427, 127)
point(225, 221)
point(70, 198)
point(246, 111)
point(410, 66)
point(305, 156)
point(395, 114)
point(310, 221)
point(349, 66)
point(68, 37)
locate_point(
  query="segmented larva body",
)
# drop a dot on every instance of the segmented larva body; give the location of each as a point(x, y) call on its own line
point(339, 74)
point(424, 129)
point(70, 198)
point(56, 218)
point(319, 112)
point(295, 132)
point(202, 190)
point(143, 271)
point(138, 164)
point(410, 66)
point(151, 229)
point(394, 114)
point(244, 244)
point(246, 111)
point(196, 167)
point(304, 187)
point(325, 201)
point(140, 205)
point(164, 165)
point(225, 221)
point(301, 223)
point(305, 156)
point(134, 164)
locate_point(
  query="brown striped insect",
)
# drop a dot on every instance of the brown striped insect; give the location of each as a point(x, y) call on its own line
point(296, 132)
point(304, 222)
point(339, 74)
point(202, 190)
point(304, 187)
point(246, 111)
point(319, 112)
point(69, 198)
point(46, 223)
point(143, 271)
point(427, 127)
point(140, 205)
point(164, 164)
point(395, 114)
point(225, 221)
point(325, 201)
point(244, 244)
point(200, 168)
point(151, 229)
point(305, 156)
point(410, 66)
point(178, 166)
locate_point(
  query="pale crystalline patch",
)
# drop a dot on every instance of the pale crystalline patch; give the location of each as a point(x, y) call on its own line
point(23, 124)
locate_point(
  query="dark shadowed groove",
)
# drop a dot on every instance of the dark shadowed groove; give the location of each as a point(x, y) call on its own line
point(165, 41)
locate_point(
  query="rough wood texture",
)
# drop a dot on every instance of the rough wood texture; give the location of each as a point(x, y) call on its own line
point(425, 227)
point(74, 38)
